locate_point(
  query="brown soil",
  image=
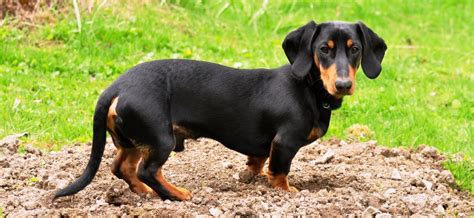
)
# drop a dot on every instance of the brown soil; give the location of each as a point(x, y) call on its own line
point(334, 177)
point(31, 13)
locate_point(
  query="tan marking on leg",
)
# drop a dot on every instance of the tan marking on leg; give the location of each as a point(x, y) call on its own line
point(256, 164)
point(126, 159)
point(126, 163)
point(315, 133)
point(128, 169)
point(331, 44)
point(111, 115)
point(178, 192)
point(280, 181)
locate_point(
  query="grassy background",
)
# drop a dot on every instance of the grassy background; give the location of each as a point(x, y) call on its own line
point(51, 73)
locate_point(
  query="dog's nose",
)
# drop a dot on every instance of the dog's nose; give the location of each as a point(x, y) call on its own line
point(343, 85)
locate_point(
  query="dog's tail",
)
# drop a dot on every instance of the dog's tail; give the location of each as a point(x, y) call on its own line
point(98, 144)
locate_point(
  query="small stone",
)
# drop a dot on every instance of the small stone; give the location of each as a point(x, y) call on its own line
point(371, 142)
point(93, 207)
point(447, 177)
point(227, 165)
point(208, 189)
point(383, 215)
point(236, 176)
point(416, 182)
point(304, 192)
point(387, 152)
point(100, 202)
point(441, 188)
point(396, 175)
point(415, 202)
point(325, 158)
point(30, 205)
point(429, 151)
point(389, 192)
point(374, 201)
point(440, 210)
point(215, 211)
point(323, 192)
point(197, 200)
point(370, 212)
point(427, 184)
point(11, 143)
point(167, 201)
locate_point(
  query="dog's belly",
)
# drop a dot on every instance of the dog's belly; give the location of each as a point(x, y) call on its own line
point(262, 150)
point(240, 140)
point(245, 139)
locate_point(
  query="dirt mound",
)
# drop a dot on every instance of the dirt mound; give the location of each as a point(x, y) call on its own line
point(334, 178)
point(31, 13)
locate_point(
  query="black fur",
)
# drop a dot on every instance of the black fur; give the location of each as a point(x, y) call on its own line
point(250, 111)
point(373, 51)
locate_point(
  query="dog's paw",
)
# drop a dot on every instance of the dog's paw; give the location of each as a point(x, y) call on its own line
point(184, 194)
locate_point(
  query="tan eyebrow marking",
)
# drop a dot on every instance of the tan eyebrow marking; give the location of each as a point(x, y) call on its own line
point(331, 44)
point(349, 43)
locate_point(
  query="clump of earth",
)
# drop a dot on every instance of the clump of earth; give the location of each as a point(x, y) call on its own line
point(334, 178)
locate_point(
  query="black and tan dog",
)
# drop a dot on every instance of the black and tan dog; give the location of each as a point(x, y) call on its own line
point(262, 113)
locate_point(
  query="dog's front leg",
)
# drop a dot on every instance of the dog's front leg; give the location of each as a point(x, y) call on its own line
point(281, 154)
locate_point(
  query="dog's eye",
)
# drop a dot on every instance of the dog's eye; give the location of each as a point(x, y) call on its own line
point(324, 49)
point(354, 50)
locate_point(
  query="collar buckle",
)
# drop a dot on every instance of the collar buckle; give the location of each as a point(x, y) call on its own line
point(326, 106)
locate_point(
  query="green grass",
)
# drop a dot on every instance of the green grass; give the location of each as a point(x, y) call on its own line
point(51, 75)
point(463, 172)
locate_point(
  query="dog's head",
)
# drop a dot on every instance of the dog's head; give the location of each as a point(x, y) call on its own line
point(335, 50)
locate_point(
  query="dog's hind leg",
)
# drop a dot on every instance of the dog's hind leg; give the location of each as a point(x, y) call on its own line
point(150, 125)
point(151, 173)
point(127, 155)
point(125, 167)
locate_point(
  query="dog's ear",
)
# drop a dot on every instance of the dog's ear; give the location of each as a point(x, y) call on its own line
point(297, 47)
point(373, 50)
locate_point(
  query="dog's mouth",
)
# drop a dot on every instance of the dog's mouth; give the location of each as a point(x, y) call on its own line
point(337, 95)
point(344, 92)
point(335, 92)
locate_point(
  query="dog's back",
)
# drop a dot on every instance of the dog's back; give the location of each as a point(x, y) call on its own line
point(212, 100)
